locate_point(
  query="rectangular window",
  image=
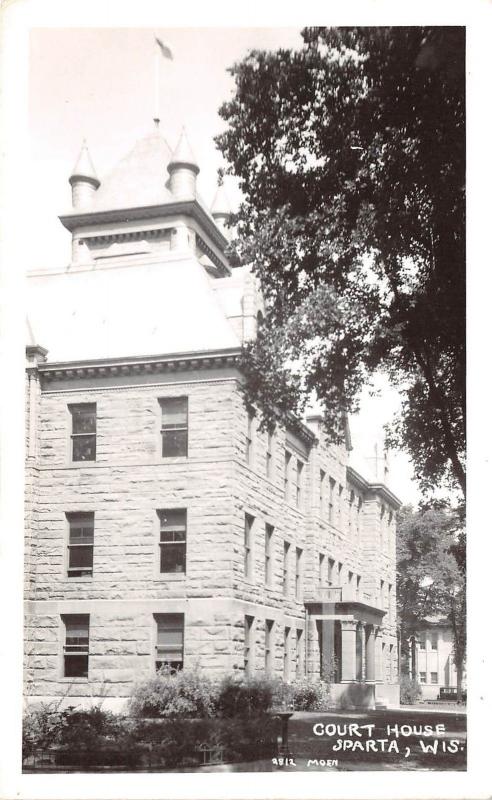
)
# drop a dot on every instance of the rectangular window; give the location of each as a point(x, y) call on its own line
point(433, 677)
point(286, 654)
point(322, 477)
point(174, 426)
point(172, 542)
point(423, 677)
point(389, 531)
point(287, 476)
point(249, 439)
point(170, 641)
point(269, 455)
point(434, 641)
point(359, 512)
point(331, 504)
point(83, 432)
point(390, 607)
point(268, 553)
point(421, 642)
point(350, 498)
point(340, 505)
point(76, 648)
point(248, 562)
point(331, 569)
point(299, 652)
point(381, 527)
point(321, 569)
point(340, 573)
point(248, 645)
point(298, 584)
point(268, 645)
point(357, 589)
point(350, 578)
point(381, 594)
point(80, 545)
point(299, 470)
point(285, 574)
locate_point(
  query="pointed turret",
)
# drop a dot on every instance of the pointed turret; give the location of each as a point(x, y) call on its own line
point(221, 209)
point(83, 180)
point(183, 170)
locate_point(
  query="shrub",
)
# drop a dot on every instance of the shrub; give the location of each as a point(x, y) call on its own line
point(410, 690)
point(41, 728)
point(244, 696)
point(187, 693)
point(80, 737)
point(302, 695)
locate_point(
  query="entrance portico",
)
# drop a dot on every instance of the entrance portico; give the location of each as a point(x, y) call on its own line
point(346, 635)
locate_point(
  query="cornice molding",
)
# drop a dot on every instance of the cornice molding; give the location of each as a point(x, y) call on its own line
point(191, 208)
point(377, 488)
point(149, 365)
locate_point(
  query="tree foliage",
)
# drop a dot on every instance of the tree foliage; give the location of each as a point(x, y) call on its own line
point(350, 154)
point(431, 569)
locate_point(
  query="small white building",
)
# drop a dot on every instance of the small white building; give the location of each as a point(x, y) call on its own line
point(432, 657)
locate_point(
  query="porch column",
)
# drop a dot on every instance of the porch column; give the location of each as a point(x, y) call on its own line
point(328, 648)
point(378, 655)
point(370, 654)
point(313, 654)
point(360, 646)
point(349, 633)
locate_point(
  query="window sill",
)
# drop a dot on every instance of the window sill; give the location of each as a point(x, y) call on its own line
point(64, 679)
point(163, 577)
point(79, 579)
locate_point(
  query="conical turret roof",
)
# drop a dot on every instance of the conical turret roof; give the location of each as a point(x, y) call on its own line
point(183, 154)
point(221, 206)
point(84, 168)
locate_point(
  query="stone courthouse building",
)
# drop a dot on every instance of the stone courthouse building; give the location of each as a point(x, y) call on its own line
point(162, 526)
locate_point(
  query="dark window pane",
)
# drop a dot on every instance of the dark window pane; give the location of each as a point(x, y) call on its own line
point(84, 448)
point(173, 557)
point(76, 666)
point(84, 419)
point(170, 637)
point(174, 443)
point(81, 556)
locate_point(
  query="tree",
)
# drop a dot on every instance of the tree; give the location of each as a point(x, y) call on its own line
point(431, 565)
point(350, 154)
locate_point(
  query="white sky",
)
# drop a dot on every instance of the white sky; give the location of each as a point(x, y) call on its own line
point(98, 83)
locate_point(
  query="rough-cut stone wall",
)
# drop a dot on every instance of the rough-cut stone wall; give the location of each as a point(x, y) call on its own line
point(124, 488)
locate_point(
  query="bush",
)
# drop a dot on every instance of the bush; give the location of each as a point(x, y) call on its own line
point(184, 694)
point(239, 697)
point(302, 695)
point(410, 690)
point(41, 728)
point(80, 737)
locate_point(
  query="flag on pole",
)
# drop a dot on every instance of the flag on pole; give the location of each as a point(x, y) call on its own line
point(164, 48)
